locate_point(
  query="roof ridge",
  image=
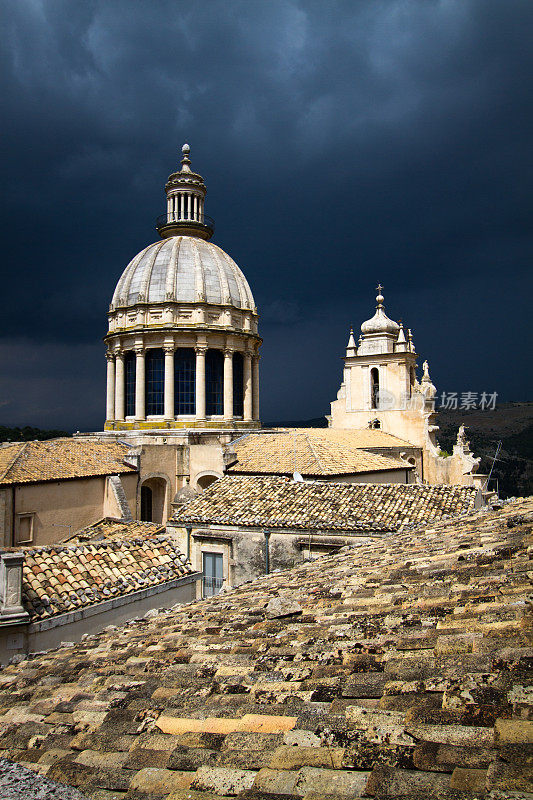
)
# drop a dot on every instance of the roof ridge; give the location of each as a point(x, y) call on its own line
point(13, 462)
point(314, 452)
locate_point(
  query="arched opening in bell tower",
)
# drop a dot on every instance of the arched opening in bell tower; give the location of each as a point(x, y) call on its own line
point(374, 387)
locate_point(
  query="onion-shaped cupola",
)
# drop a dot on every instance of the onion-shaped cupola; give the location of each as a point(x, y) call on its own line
point(380, 322)
point(185, 215)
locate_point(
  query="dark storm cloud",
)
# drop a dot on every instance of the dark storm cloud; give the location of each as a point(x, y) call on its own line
point(342, 142)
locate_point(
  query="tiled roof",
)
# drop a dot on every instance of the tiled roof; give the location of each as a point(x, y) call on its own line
point(308, 452)
point(279, 502)
point(61, 578)
point(364, 438)
point(403, 670)
point(58, 459)
point(111, 528)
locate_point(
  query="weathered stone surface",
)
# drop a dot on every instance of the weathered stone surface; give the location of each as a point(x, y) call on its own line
point(387, 782)
point(215, 685)
point(290, 757)
point(344, 783)
point(513, 731)
point(468, 780)
point(153, 781)
point(511, 776)
point(444, 758)
point(276, 781)
point(223, 781)
point(280, 607)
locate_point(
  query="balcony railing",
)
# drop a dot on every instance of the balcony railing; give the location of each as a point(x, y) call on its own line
point(172, 219)
point(212, 586)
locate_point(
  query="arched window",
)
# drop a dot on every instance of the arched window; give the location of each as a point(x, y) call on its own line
point(146, 504)
point(155, 382)
point(238, 389)
point(374, 387)
point(184, 381)
point(214, 373)
point(129, 379)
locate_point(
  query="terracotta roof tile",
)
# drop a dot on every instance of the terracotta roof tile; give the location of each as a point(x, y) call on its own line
point(311, 452)
point(110, 528)
point(402, 669)
point(279, 502)
point(58, 459)
point(61, 578)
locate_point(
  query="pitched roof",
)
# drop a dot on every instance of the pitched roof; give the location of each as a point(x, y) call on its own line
point(61, 578)
point(364, 438)
point(307, 452)
point(59, 459)
point(279, 502)
point(401, 670)
point(111, 528)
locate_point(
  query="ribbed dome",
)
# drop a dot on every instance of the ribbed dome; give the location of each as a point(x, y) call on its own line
point(183, 269)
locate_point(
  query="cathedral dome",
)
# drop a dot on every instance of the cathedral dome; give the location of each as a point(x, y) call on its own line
point(183, 269)
point(183, 344)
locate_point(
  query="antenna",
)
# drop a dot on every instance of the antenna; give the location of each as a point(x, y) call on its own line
point(494, 460)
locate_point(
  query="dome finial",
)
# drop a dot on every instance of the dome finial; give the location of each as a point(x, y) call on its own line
point(186, 161)
point(379, 299)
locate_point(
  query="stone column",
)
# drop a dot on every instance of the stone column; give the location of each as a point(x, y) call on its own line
point(189, 203)
point(255, 387)
point(247, 387)
point(140, 397)
point(201, 350)
point(169, 381)
point(110, 400)
point(228, 384)
point(119, 385)
point(11, 587)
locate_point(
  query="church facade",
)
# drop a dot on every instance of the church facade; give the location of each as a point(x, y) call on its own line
point(380, 390)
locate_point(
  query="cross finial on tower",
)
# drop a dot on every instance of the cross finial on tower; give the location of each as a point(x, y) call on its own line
point(379, 287)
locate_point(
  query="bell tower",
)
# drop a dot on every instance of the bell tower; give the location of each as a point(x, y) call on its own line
point(380, 388)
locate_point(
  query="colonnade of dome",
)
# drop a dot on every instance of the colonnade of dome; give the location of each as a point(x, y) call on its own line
point(188, 382)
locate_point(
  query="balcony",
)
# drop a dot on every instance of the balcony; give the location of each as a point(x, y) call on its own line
point(170, 225)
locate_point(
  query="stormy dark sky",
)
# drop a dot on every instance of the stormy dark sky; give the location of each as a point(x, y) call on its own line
point(343, 144)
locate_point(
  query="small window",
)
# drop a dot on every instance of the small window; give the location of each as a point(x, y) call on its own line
point(24, 532)
point(213, 573)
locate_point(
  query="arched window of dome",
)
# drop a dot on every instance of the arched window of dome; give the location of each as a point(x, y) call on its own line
point(214, 369)
point(238, 385)
point(184, 381)
point(129, 381)
point(155, 382)
point(374, 387)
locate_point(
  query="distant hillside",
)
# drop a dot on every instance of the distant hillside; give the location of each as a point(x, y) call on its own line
point(28, 434)
point(512, 423)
